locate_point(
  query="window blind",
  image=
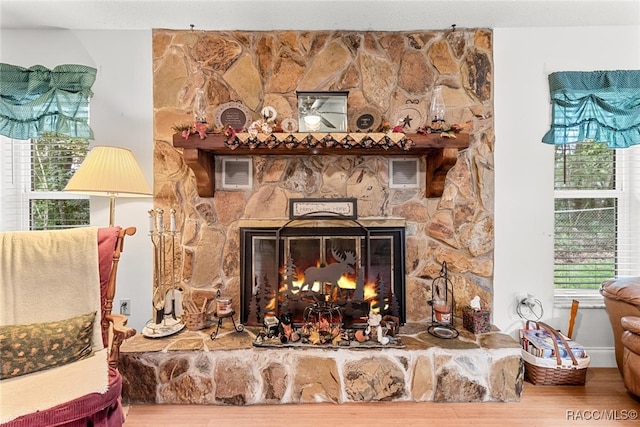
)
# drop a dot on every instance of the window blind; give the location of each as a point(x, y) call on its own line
point(33, 174)
point(597, 221)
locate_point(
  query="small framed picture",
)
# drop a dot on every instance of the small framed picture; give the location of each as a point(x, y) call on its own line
point(323, 208)
point(322, 111)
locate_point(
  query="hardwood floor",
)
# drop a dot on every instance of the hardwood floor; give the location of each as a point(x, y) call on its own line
point(603, 401)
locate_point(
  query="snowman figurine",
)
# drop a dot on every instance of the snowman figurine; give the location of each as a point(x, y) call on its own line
point(374, 324)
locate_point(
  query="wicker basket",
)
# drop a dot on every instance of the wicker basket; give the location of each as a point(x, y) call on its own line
point(194, 321)
point(555, 371)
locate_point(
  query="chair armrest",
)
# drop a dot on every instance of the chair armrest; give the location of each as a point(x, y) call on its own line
point(631, 324)
point(120, 332)
point(110, 290)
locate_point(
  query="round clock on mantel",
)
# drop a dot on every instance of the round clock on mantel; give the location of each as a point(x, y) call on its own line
point(233, 114)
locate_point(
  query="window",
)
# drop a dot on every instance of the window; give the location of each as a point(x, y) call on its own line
point(597, 216)
point(595, 123)
point(33, 174)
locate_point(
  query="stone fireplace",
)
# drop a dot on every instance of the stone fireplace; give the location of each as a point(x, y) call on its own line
point(385, 73)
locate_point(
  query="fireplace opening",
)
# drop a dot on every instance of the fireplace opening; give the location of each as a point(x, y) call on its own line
point(322, 273)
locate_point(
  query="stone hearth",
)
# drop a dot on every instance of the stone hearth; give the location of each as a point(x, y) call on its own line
point(190, 368)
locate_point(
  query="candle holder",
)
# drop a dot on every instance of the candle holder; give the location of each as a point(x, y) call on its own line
point(167, 298)
point(437, 110)
point(442, 306)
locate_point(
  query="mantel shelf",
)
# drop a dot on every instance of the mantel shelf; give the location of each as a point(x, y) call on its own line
point(441, 155)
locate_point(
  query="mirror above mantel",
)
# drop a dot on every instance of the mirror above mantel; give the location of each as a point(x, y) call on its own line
point(439, 150)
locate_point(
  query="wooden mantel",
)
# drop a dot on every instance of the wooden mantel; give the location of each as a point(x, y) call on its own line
point(441, 154)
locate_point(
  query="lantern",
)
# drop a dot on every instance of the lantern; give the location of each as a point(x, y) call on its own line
point(442, 305)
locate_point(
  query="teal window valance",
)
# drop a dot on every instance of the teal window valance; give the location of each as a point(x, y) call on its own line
point(600, 106)
point(36, 100)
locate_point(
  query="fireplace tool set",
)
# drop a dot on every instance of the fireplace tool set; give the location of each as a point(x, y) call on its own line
point(167, 297)
point(169, 316)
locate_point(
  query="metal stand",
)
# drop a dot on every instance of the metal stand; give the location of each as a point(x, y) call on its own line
point(322, 310)
point(239, 327)
point(442, 306)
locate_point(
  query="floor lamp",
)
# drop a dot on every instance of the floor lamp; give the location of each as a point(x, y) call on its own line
point(109, 171)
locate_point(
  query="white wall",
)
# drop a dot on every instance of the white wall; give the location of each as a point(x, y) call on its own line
point(121, 115)
point(523, 58)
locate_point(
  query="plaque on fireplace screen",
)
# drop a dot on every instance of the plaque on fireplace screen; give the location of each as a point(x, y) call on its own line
point(340, 272)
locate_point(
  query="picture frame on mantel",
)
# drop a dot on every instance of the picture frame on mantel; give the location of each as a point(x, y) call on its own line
point(234, 114)
point(322, 111)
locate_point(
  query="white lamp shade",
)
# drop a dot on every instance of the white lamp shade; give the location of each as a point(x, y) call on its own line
point(109, 171)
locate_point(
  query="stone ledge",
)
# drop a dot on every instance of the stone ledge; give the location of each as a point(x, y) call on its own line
point(190, 368)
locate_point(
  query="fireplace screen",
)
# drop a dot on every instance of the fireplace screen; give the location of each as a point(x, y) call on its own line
point(311, 273)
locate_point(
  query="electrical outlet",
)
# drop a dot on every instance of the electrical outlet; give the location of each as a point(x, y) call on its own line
point(125, 307)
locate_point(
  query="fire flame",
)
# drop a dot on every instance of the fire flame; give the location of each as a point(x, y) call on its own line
point(343, 283)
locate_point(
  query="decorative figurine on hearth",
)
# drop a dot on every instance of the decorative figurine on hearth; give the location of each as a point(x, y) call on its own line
point(270, 325)
point(374, 326)
point(285, 329)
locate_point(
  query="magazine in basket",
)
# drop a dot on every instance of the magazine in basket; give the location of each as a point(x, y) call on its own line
point(539, 342)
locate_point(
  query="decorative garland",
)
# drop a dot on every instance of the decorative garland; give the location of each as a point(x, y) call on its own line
point(319, 140)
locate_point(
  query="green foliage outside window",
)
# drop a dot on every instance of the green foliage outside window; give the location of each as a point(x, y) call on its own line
point(51, 214)
point(54, 159)
point(585, 166)
point(585, 227)
point(585, 242)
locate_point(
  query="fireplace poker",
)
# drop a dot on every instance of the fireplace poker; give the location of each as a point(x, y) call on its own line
point(160, 255)
point(155, 236)
point(172, 230)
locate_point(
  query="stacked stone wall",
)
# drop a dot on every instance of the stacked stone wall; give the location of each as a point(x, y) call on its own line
point(382, 71)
